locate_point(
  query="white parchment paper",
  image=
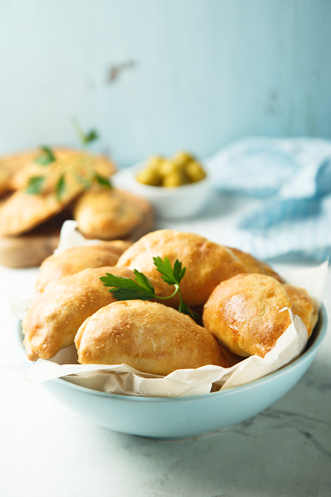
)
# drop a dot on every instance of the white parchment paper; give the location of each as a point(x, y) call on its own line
point(122, 379)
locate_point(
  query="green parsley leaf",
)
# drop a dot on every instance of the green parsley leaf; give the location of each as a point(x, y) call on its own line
point(179, 273)
point(60, 187)
point(103, 181)
point(91, 136)
point(127, 289)
point(35, 184)
point(143, 281)
point(184, 309)
point(46, 157)
point(141, 287)
point(85, 138)
point(169, 275)
point(83, 181)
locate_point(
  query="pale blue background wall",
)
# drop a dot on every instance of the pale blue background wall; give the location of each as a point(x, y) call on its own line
point(205, 72)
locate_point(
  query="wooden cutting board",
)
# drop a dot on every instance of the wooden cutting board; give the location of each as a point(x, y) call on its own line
point(30, 249)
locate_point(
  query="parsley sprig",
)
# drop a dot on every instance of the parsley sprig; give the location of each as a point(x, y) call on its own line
point(46, 157)
point(83, 172)
point(85, 138)
point(35, 184)
point(141, 287)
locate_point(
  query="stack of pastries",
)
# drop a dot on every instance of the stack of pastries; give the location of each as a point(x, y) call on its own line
point(242, 304)
point(75, 185)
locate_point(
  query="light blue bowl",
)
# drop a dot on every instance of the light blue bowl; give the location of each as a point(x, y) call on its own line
point(185, 417)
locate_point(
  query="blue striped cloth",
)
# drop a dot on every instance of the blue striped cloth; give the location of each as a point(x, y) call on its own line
point(293, 177)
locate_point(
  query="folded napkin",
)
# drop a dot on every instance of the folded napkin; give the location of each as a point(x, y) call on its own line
point(293, 177)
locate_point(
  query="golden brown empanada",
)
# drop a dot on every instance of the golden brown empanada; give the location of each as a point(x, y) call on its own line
point(54, 318)
point(147, 336)
point(255, 266)
point(207, 264)
point(101, 164)
point(303, 305)
point(24, 211)
point(29, 168)
point(244, 313)
point(106, 213)
point(14, 162)
point(76, 259)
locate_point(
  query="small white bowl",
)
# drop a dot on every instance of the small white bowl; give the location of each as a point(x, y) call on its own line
point(169, 203)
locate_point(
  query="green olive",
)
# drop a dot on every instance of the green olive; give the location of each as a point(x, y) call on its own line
point(182, 158)
point(173, 179)
point(180, 170)
point(195, 171)
point(167, 167)
point(154, 162)
point(149, 177)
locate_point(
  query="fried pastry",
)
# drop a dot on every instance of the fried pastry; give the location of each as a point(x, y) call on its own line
point(106, 213)
point(14, 162)
point(76, 259)
point(101, 164)
point(24, 211)
point(30, 168)
point(54, 318)
point(304, 306)
point(207, 263)
point(147, 336)
point(244, 313)
point(255, 266)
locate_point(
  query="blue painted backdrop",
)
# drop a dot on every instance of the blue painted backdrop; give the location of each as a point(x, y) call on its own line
point(160, 75)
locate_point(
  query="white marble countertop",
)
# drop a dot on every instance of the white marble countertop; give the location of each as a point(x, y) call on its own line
point(47, 450)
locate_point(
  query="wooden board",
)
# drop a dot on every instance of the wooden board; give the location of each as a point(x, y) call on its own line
point(30, 249)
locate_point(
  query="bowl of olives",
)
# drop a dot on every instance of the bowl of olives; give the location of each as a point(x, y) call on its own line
point(177, 187)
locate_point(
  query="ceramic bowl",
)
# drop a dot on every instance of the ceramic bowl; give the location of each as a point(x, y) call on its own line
point(169, 203)
point(184, 417)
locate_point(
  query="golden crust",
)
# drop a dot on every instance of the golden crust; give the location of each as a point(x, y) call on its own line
point(206, 263)
point(24, 211)
point(76, 259)
point(29, 168)
point(22, 165)
point(254, 265)
point(103, 165)
point(106, 214)
point(147, 336)
point(304, 306)
point(244, 313)
point(14, 162)
point(54, 318)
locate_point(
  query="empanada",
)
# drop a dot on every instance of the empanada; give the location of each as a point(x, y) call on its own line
point(106, 213)
point(24, 211)
point(147, 336)
point(304, 306)
point(255, 266)
point(101, 164)
point(207, 264)
point(54, 318)
point(14, 162)
point(244, 313)
point(76, 259)
point(30, 168)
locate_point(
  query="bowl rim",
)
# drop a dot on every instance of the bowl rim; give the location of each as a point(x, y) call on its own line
point(166, 192)
point(231, 391)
